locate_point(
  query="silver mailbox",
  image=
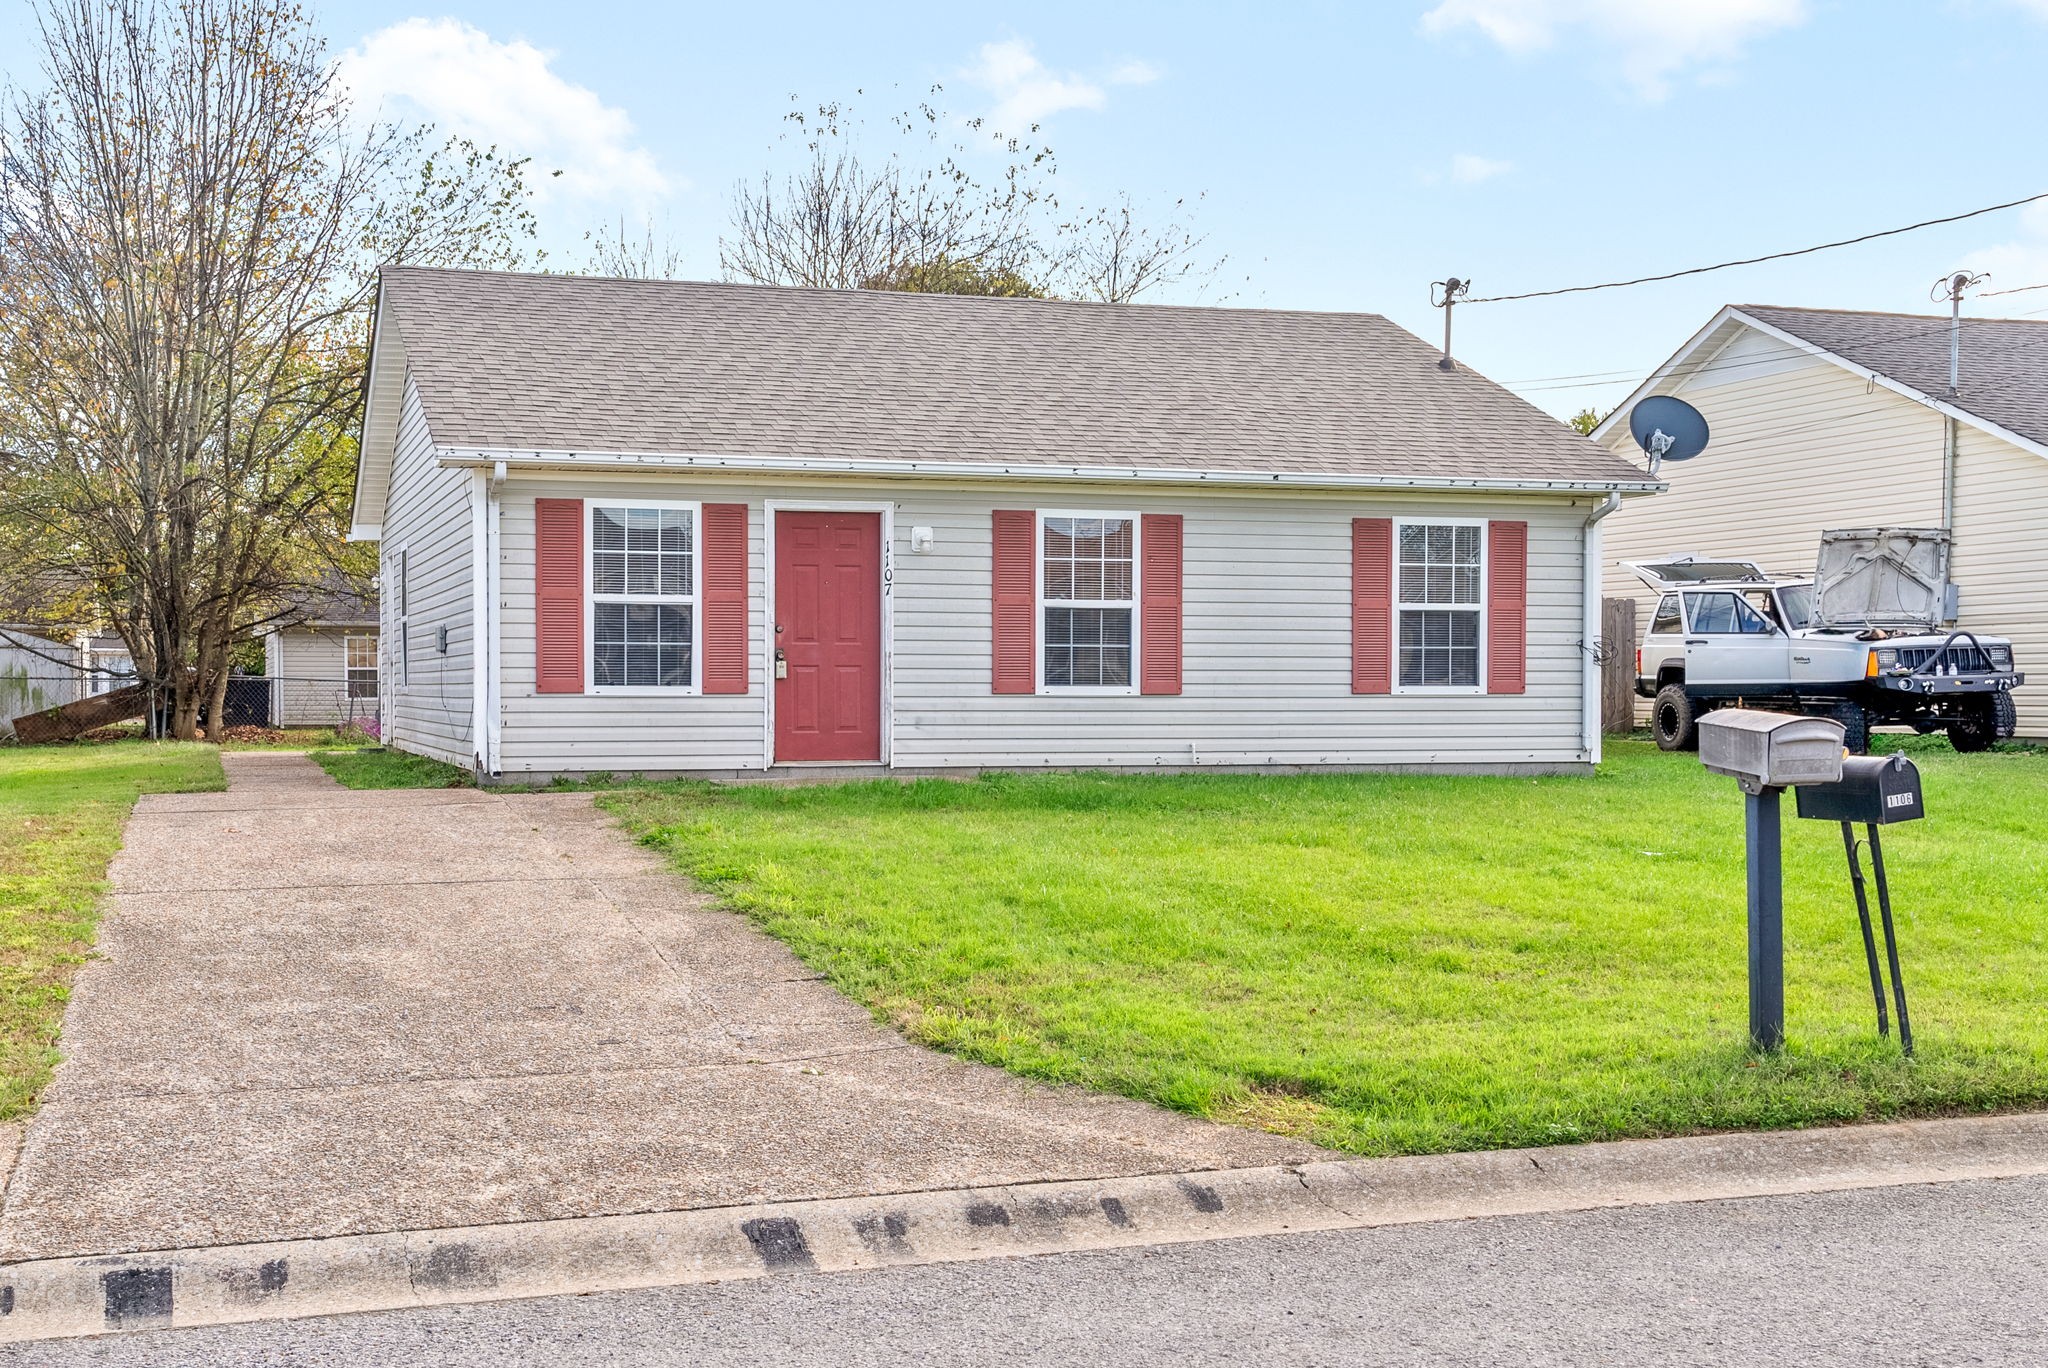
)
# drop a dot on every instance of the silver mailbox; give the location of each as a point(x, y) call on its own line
point(1763, 750)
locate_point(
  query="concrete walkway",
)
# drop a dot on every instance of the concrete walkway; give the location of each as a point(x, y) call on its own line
point(318, 1012)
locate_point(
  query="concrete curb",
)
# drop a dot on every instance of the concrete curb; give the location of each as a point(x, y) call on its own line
point(95, 1294)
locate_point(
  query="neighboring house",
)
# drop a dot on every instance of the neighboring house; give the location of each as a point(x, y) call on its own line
point(1829, 419)
point(104, 663)
point(322, 662)
point(667, 527)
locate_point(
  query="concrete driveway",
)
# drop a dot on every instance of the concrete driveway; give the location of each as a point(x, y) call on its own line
point(322, 1012)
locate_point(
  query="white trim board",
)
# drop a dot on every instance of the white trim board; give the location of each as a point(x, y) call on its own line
point(466, 457)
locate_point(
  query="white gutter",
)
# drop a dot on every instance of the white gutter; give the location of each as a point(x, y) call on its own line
point(1591, 664)
point(499, 458)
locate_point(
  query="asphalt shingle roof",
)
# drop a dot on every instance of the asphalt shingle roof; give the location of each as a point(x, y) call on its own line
point(569, 363)
point(2004, 369)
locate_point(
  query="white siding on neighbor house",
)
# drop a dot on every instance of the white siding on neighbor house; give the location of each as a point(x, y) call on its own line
point(2001, 545)
point(310, 667)
point(1802, 447)
point(1267, 649)
point(429, 707)
point(1799, 446)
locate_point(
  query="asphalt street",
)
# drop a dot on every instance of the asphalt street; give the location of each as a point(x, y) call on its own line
point(1950, 1274)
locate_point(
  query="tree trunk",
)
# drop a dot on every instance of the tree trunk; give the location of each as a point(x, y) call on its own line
point(217, 705)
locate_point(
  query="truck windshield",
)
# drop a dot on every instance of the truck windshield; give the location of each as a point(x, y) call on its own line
point(1796, 602)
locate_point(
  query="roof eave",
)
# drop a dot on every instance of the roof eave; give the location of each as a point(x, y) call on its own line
point(522, 459)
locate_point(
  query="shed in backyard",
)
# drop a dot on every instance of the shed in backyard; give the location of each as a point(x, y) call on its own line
point(665, 527)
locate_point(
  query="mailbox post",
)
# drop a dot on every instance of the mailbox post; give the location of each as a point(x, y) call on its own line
point(1767, 753)
point(1875, 792)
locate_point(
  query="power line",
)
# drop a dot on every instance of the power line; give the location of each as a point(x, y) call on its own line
point(2017, 289)
point(1752, 261)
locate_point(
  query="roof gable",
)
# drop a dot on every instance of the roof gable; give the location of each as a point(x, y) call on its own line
point(2003, 375)
point(564, 365)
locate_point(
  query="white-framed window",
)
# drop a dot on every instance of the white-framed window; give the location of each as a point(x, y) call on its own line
point(401, 651)
point(642, 576)
point(1440, 605)
point(1088, 602)
point(359, 661)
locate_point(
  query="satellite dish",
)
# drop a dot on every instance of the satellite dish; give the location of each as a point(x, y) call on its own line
point(1668, 429)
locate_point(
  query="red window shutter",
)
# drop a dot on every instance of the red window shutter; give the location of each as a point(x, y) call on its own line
point(725, 598)
point(1014, 628)
point(1507, 607)
point(1159, 619)
point(1372, 605)
point(558, 595)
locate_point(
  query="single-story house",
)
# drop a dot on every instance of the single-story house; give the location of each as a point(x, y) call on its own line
point(1825, 418)
point(677, 528)
point(321, 659)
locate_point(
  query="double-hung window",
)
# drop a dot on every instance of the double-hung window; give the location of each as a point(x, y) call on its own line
point(359, 660)
point(643, 596)
point(1442, 575)
point(1088, 597)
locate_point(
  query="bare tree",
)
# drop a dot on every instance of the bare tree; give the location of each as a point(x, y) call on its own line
point(649, 256)
point(913, 216)
point(1111, 256)
point(189, 218)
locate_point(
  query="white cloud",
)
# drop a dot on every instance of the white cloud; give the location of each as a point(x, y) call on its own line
point(1028, 92)
point(1467, 169)
point(1651, 40)
point(470, 85)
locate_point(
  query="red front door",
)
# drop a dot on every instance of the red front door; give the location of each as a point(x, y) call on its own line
point(828, 630)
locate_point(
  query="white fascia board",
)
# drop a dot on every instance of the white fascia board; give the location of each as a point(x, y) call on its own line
point(1618, 417)
point(365, 480)
point(361, 532)
point(464, 457)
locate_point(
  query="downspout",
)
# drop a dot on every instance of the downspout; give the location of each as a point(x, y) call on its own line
point(493, 658)
point(1589, 724)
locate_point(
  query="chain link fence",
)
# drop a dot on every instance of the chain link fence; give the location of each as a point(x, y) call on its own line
point(298, 701)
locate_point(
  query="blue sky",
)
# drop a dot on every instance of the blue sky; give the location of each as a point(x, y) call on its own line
point(1348, 154)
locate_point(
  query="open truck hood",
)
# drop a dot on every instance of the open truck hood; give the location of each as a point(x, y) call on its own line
point(1882, 577)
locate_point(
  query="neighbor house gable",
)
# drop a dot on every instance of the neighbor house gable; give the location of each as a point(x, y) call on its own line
point(1721, 353)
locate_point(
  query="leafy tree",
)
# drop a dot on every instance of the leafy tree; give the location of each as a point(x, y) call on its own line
point(190, 219)
point(1585, 420)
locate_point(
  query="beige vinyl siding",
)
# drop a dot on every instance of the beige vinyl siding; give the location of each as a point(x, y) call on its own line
point(311, 667)
point(1267, 644)
point(2001, 545)
point(427, 515)
point(1799, 449)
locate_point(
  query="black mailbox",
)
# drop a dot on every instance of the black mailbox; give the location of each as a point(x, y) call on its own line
point(1871, 790)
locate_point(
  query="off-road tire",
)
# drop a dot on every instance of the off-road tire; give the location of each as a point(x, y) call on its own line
point(1674, 717)
point(1855, 720)
point(1989, 721)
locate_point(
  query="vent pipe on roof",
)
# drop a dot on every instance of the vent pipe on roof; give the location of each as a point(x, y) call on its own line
point(1452, 290)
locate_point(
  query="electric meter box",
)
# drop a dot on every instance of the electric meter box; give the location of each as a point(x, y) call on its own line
point(1768, 750)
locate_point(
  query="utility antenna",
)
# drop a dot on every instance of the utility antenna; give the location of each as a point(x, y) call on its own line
point(1951, 287)
point(1445, 294)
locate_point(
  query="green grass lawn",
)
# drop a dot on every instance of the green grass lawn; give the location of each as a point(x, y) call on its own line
point(1392, 964)
point(377, 768)
point(61, 813)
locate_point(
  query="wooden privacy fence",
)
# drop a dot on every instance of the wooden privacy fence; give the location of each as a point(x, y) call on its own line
point(1618, 665)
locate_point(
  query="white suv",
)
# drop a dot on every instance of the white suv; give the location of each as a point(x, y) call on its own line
point(1861, 643)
